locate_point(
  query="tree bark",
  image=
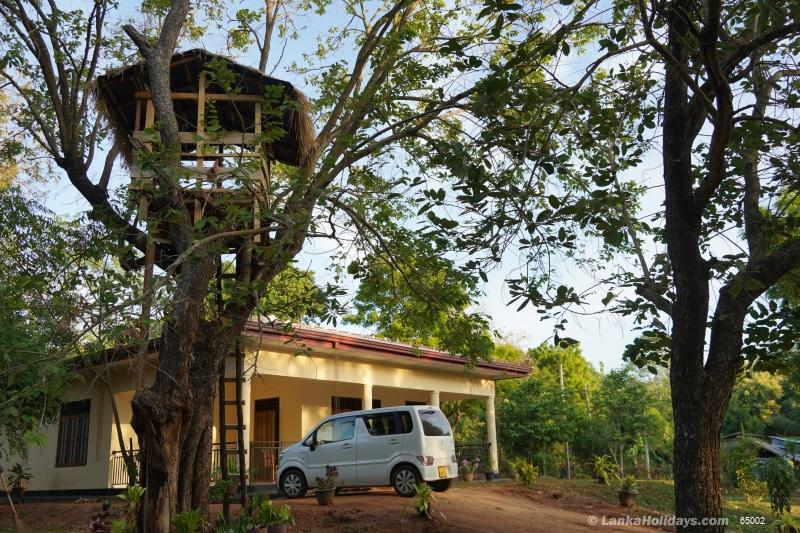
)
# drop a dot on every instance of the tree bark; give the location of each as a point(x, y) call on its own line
point(161, 411)
point(696, 444)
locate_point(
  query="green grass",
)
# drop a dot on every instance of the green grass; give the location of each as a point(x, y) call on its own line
point(657, 495)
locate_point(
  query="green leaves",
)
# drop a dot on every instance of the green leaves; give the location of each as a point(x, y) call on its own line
point(417, 295)
point(443, 223)
point(48, 283)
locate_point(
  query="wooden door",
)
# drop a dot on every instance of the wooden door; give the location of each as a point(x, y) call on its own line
point(265, 441)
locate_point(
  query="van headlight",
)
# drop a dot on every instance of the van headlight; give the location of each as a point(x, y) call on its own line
point(280, 457)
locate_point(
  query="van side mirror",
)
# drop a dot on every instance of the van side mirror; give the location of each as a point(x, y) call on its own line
point(313, 445)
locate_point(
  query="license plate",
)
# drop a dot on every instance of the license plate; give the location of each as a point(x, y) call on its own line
point(442, 471)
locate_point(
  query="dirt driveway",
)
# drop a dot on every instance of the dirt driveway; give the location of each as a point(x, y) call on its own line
point(497, 508)
point(484, 509)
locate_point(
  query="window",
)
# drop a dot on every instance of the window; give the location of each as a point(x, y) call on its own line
point(411, 402)
point(336, 430)
point(73, 434)
point(406, 425)
point(434, 424)
point(381, 424)
point(343, 404)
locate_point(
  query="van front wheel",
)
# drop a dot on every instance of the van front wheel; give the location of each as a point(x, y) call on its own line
point(404, 479)
point(293, 484)
point(440, 485)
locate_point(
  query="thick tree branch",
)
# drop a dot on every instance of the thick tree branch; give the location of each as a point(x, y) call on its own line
point(111, 157)
point(732, 60)
point(669, 57)
point(723, 115)
point(761, 274)
point(271, 7)
point(373, 38)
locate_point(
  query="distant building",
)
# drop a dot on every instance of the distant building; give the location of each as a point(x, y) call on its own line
point(769, 445)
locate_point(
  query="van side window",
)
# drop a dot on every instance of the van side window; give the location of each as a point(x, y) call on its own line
point(434, 424)
point(381, 424)
point(336, 430)
point(406, 425)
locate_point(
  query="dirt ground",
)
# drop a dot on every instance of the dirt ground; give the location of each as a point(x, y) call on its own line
point(501, 507)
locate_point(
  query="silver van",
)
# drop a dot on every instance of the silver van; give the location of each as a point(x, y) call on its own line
point(392, 446)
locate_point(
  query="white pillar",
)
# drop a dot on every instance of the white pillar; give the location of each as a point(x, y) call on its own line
point(366, 396)
point(491, 434)
point(247, 414)
point(434, 398)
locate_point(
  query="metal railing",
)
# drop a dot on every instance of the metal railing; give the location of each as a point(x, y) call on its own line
point(118, 470)
point(264, 460)
point(471, 452)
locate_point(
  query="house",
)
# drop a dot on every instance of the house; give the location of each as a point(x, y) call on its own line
point(769, 446)
point(292, 380)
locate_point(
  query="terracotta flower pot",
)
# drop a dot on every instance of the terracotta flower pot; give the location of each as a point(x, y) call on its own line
point(18, 492)
point(467, 476)
point(325, 496)
point(280, 528)
point(627, 498)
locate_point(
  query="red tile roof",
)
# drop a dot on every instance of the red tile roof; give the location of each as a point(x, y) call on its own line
point(313, 336)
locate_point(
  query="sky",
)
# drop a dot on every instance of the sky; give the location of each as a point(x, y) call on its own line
point(603, 336)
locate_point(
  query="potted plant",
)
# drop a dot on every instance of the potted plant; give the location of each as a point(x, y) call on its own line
point(279, 518)
point(263, 517)
point(424, 500)
point(326, 486)
point(19, 476)
point(468, 468)
point(604, 469)
point(627, 492)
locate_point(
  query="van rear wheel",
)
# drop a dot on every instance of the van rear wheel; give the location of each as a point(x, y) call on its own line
point(293, 484)
point(440, 485)
point(404, 479)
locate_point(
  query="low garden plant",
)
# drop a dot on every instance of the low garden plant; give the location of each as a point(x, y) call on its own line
point(423, 499)
point(189, 521)
point(525, 472)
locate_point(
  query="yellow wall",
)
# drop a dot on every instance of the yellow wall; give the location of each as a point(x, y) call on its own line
point(348, 370)
point(42, 461)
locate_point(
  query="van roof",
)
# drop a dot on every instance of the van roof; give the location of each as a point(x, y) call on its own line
point(384, 410)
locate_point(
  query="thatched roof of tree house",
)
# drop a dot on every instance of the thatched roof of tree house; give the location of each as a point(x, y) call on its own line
point(116, 96)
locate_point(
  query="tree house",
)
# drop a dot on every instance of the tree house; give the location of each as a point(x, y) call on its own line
point(234, 122)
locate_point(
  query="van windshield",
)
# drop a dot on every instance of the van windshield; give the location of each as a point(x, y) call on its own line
point(434, 424)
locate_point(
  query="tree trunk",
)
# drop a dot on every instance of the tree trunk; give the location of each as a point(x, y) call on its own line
point(696, 460)
point(196, 442)
point(195, 461)
point(161, 411)
point(697, 424)
point(157, 422)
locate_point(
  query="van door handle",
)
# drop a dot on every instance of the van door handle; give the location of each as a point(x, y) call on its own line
point(394, 441)
point(347, 446)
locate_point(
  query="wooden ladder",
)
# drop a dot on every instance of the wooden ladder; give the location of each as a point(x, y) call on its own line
point(238, 426)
